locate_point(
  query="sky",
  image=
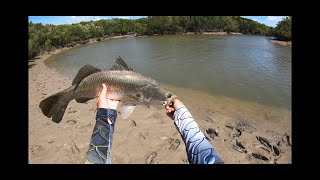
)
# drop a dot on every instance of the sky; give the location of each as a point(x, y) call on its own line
point(267, 20)
point(56, 20)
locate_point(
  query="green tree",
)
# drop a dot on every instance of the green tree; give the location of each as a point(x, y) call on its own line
point(283, 29)
point(45, 37)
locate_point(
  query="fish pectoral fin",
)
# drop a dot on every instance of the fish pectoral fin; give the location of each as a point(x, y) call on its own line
point(82, 100)
point(120, 65)
point(84, 72)
point(127, 110)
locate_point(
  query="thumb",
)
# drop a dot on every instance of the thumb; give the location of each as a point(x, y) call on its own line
point(103, 92)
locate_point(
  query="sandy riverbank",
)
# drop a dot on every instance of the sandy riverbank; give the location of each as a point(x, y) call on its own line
point(152, 131)
point(283, 43)
point(215, 33)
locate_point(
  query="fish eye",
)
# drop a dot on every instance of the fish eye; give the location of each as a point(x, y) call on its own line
point(169, 95)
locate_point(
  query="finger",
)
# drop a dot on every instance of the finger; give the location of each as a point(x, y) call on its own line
point(171, 109)
point(103, 92)
point(170, 115)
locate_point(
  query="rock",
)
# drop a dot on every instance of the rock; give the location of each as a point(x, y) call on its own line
point(132, 123)
point(150, 158)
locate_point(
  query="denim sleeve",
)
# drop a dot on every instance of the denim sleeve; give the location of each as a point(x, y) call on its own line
point(101, 139)
point(199, 150)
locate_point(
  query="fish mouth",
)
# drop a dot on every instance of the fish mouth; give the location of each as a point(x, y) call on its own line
point(170, 97)
point(164, 103)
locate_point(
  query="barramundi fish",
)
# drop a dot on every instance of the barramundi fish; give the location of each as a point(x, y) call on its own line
point(130, 87)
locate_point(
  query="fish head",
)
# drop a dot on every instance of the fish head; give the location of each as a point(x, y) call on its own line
point(156, 95)
point(169, 98)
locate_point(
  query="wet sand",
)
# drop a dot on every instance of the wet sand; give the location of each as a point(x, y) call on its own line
point(149, 130)
point(283, 43)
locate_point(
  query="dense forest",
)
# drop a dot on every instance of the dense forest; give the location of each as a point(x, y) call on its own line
point(283, 30)
point(46, 37)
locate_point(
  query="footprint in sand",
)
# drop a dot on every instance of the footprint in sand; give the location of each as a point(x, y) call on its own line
point(72, 111)
point(141, 136)
point(238, 146)
point(132, 123)
point(150, 158)
point(71, 121)
point(175, 145)
point(259, 156)
point(36, 149)
point(212, 133)
point(185, 160)
point(235, 133)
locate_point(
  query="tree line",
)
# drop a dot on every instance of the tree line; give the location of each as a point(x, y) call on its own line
point(46, 37)
point(283, 30)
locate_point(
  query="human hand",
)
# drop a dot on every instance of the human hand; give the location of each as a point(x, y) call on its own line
point(174, 106)
point(104, 100)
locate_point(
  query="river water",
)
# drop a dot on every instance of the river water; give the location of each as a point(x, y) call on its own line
point(242, 67)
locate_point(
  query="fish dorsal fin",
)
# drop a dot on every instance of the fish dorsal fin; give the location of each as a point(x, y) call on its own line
point(84, 72)
point(120, 65)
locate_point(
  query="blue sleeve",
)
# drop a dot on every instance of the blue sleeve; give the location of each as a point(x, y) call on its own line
point(199, 150)
point(101, 139)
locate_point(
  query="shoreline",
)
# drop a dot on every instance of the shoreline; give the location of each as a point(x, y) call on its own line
point(283, 43)
point(55, 50)
point(68, 141)
point(68, 46)
point(214, 33)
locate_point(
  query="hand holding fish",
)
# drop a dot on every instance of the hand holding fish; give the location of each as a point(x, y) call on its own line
point(105, 99)
point(174, 106)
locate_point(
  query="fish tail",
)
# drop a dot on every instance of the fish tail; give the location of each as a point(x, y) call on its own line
point(54, 106)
